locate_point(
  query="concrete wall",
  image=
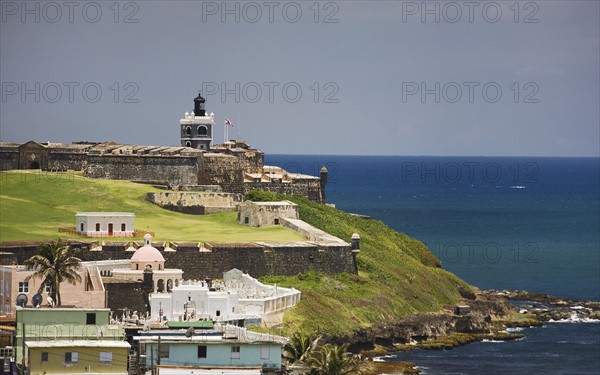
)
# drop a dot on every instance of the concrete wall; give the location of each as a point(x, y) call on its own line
point(198, 203)
point(171, 170)
point(256, 259)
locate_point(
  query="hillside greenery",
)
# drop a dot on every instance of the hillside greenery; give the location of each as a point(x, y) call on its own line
point(397, 276)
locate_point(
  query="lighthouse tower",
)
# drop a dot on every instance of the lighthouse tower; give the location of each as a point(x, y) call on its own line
point(197, 127)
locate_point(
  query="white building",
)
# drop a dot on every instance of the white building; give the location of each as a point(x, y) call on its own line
point(258, 214)
point(238, 297)
point(148, 256)
point(104, 224)
point(197, 127)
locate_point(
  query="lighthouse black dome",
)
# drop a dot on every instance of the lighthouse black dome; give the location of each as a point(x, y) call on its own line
point(199, 99)
point(199, 105)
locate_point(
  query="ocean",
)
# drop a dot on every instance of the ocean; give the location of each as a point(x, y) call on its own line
point(498, 223)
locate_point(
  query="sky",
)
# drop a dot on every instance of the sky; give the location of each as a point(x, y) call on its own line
point(465, 78)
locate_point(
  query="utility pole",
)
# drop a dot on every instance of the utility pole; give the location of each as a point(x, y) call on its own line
point(158, 359)
point(152, 360)
point(23, 350)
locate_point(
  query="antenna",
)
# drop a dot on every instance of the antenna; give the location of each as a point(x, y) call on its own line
point(22, 300)
point(190, 332)
point(36, 300)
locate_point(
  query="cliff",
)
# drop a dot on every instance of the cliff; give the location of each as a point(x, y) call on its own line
point(398, 277)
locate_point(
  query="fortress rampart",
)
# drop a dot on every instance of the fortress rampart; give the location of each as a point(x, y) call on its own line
point(235, 167)
point(210, 260)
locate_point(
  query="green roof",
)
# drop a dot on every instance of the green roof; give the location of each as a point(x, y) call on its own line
point(196, 324)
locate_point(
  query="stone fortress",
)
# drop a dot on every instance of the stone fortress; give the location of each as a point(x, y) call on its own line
point(194, 173)
point(196, 165)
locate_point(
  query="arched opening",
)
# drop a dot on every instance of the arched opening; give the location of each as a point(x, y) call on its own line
point(169, 285)
point(160, 286)
point(34, 165)
point(202, 130)
point(188, 130)
point(188, 144)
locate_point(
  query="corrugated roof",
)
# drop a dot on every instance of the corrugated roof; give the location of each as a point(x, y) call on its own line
point(208, 371)
point(77, 344)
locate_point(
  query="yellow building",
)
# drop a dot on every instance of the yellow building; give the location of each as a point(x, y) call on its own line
point(77, 356)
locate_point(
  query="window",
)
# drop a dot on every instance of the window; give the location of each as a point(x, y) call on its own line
point(218, 312)
point(163, 350)
point(235, 352)
point(90, 318)
point(246, 220)
point(44, 356)
point(265, 352)
point(106, 358)
point(48, 287)
point(201, 351)
point(188, 131)
point(23, 286)
point(202, 130)
point(71, 357)
point(123, 227)
point(276, 221)
point(81, 227)
point(97, 227)
point(188, 144)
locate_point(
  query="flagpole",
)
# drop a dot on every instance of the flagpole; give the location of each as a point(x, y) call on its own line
point(224, 133)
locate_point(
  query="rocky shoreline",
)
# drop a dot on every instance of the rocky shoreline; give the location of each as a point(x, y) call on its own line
point(491, 316)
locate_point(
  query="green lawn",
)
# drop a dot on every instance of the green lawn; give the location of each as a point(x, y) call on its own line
point(34, 204)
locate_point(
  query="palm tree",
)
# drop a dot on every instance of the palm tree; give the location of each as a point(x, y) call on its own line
point(299, 347)
point(331, 360)
point(54, 264)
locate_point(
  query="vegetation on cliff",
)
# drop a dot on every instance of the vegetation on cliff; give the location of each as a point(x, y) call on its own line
point(398, 276)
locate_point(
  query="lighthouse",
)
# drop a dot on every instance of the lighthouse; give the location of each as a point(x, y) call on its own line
point(197, 127)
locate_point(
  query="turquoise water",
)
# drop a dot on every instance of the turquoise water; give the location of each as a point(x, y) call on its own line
point(498, 223)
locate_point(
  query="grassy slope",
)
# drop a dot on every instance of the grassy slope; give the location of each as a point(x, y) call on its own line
point(397, 276)
point(34, 204)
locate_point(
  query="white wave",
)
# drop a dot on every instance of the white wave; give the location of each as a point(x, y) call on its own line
point(486, 340)
point(574, 318)
point(382, 358)
point(518, 187)
point(511, 330)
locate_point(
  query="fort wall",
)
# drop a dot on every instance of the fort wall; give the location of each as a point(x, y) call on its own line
point(199, 203)
point(170, 170)
point(223, 170)
point(209, 260)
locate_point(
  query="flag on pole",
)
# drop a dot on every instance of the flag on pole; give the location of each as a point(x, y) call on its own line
point(227, 122)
